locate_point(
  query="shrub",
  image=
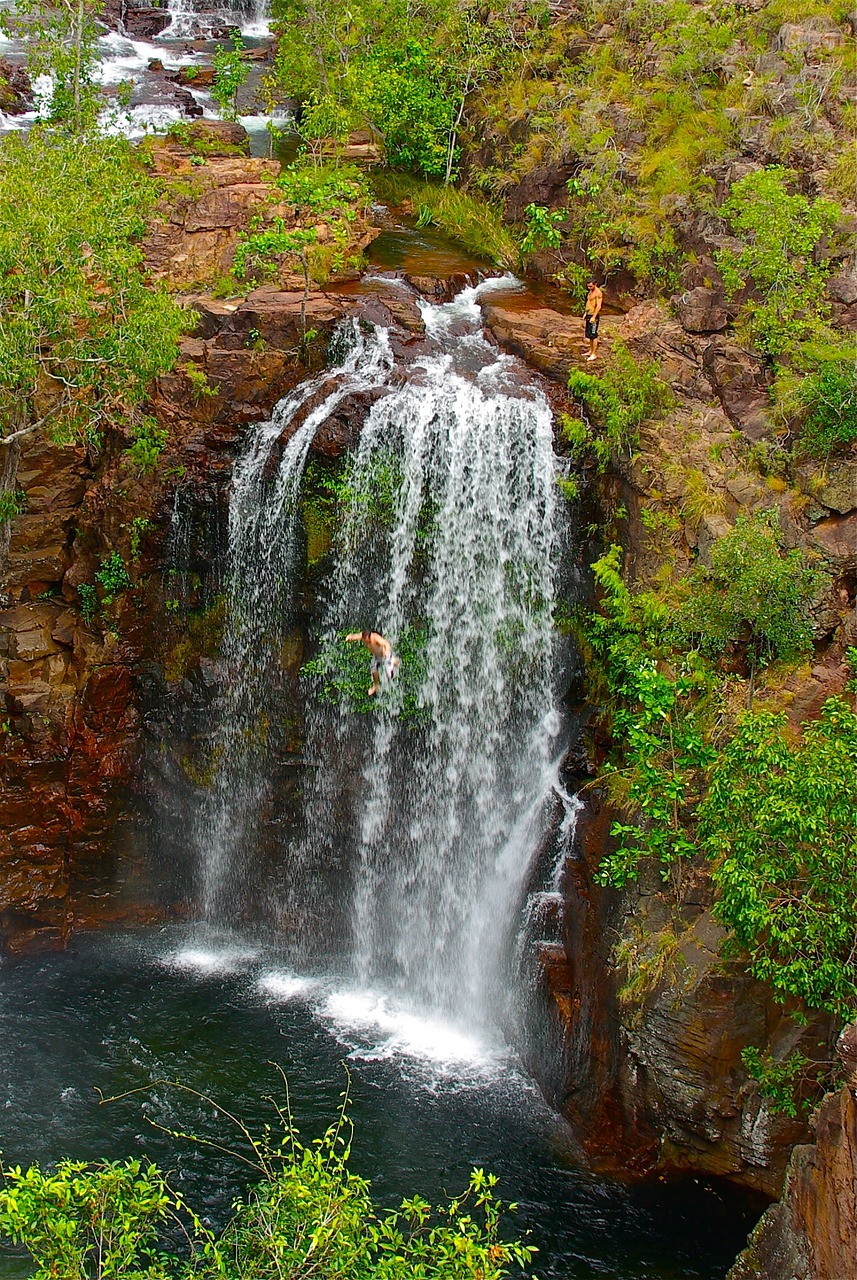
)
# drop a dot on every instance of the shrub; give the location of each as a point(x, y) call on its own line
point(82, 334)
point(781, 257)
point(660, 718)
point(84, 1220)
point(780, 824)
point(113, 576)
point(617, 402)
point(230, 71)
point(828, 400)
point(308, 1217)
point(150, 440)
point(755, 593)
point(12, 503)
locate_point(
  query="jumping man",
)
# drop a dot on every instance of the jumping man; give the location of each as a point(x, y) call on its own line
point(594, 303)
point(382, 657)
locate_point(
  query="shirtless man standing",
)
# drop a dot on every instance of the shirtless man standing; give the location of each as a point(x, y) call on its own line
point(382, 656)
point(594, 302)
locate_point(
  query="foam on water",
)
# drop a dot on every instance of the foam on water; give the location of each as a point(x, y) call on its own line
point(375, 1028)
point(207, 961)
point(280, 988)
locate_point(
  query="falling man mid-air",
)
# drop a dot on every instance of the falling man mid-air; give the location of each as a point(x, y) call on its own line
point(382, 657)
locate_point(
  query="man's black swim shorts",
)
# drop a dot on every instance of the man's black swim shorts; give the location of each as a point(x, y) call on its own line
point(592, 328)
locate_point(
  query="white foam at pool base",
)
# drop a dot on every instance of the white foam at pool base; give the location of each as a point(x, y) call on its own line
point(210, 960)
point(374, 1028)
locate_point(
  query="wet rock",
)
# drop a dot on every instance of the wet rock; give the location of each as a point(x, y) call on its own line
point(192, 77)
point(811, 1233)
point(549, 341)
point(220, 137)
point(16, 90)
point(145, 24)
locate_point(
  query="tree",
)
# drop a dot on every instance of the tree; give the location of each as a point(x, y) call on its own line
point(230, 71)
point(61, 39)
point(405, 71)
point(780, 823)
point(755, 592)
point(782, 258)
point(81, 333)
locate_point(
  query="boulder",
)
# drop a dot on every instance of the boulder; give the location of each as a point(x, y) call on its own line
point(215, 134)
point(145, 24)
point(741, 383)
point(701, 310)
point(839, 492)
point(16, 90)
point(190, 77)
point(843, 286)
point(816, 35)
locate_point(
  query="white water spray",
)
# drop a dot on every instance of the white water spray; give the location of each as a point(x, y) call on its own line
point(423, 816)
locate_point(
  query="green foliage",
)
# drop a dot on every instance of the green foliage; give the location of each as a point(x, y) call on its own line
point(648, 962)
point(340, 675)
point(61, 40)
point(88, 1220)
point(782, 257)
point(81, 333)
point(139, 527)
point(476, 224)
point(200, 387)
point(324, 189)
point(404, 71)
point(661, 718)
point(113, 576)
point(406, 95)
point(615, 404)
point(782, 1079)
point(307, 1218)
point(150, 440)
point(332, 194)
point(542, 228)
point(780, 823)
point(230, 71)
point(755, 592)
point(87, 593)
point(826, 401)
point(12, 503)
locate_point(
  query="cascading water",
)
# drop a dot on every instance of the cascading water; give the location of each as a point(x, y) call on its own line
point(448, 546)
point(260, 576)
point(194, 19)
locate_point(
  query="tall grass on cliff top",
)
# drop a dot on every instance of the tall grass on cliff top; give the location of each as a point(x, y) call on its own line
point(475, 224)
point(82, 334)
point(307, 1216)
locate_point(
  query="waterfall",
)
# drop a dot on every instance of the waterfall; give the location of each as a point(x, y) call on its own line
point(195, 19)
point(424, 809)
point(260, 575)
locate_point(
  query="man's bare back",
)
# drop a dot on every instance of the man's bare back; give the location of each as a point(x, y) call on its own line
point(382, 656)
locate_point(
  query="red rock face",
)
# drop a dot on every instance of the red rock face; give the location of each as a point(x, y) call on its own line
point(811, 1234)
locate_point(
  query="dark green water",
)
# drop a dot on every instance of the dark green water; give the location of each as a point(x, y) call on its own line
point(114, 1013)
